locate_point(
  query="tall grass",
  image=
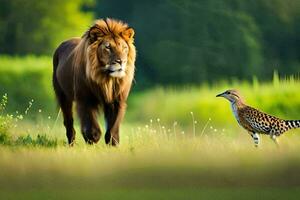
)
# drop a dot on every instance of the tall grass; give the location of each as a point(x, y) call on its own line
point(175, 143)
point(158, 164)
point(280, 97)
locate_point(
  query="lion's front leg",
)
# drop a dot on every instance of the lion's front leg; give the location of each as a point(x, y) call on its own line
point(114, 114)
point(89, 126)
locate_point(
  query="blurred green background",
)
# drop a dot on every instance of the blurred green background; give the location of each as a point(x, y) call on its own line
point(178, 41)
point(183, 45)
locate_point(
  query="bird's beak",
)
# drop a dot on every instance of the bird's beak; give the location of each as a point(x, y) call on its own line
point(220, 95)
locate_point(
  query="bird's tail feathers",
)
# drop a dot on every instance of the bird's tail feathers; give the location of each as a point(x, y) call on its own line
point(293, 123)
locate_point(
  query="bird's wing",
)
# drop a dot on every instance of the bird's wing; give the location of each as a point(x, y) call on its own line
point(255, 120)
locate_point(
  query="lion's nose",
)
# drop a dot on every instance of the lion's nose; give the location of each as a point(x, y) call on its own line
point(118, 61)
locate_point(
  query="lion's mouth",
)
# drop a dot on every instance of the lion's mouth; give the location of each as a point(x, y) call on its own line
point(114, 71)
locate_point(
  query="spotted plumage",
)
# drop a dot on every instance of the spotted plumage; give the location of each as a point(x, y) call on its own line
point(255, 121)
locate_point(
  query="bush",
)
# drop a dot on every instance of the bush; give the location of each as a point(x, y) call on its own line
point(5, 122)
point(40, 141)
point(25, 79)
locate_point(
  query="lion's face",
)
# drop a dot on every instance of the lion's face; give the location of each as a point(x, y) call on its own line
point(113, 55)
point(111, 45)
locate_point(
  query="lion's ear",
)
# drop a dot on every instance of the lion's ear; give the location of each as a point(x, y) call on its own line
point(128, 34)
point(94, 33)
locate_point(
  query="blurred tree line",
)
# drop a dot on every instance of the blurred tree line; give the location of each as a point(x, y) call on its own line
point(178, 41)
point(191, 41)
point(38, 26)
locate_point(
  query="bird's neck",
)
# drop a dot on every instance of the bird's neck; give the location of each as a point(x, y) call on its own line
point(237, 104)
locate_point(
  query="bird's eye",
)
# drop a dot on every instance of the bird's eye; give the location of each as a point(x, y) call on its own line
point(227, 92)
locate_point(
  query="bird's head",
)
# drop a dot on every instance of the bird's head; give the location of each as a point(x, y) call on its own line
point(232, 95)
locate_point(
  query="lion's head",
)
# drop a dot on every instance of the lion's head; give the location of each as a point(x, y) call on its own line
point(109, 49)
point(108, 54)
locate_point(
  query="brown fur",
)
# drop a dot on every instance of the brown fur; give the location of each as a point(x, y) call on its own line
point(95, 71)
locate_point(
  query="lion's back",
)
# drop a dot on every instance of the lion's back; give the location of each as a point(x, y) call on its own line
point(62, 66)
point(63, 51)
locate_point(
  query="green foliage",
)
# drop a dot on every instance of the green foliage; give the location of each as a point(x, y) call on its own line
point(5, 121)
point(5, 124)
point(4, 137)
point(8, 121)
point(25, 79)
point(197, 41)
point(183, 42)
point(39, 141)
point(35, 26)
point(280, 98)
point(27, 141)
point(278, 23)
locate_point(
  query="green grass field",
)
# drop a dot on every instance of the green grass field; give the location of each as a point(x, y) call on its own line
point(176, 143)
point(154, 166)
point(169, 153)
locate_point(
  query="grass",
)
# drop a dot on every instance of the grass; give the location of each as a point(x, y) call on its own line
point(149, 194)
point(152, 166)
point(150, 163)
point(175, 144)
point(279, 97)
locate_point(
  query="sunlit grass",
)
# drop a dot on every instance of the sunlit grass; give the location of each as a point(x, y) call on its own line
point(183, 141)
point(280, 98)
point(152, 164)
point(159, 164)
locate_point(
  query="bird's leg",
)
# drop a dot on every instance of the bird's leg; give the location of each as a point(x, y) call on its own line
point(256, 139)
point(273, 137)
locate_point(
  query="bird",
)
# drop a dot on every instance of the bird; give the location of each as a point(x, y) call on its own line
point(257, 122)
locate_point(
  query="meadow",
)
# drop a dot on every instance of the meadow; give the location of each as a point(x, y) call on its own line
point(176, 143)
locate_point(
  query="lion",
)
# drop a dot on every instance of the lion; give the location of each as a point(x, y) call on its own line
point(95, 72)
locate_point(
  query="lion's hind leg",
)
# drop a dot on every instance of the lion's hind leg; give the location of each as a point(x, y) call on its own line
point(66, 108)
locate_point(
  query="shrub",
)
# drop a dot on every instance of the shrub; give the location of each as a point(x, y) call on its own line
point(40, 141)
point(25, 79)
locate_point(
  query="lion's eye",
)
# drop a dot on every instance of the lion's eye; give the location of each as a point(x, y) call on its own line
point(125, 48)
